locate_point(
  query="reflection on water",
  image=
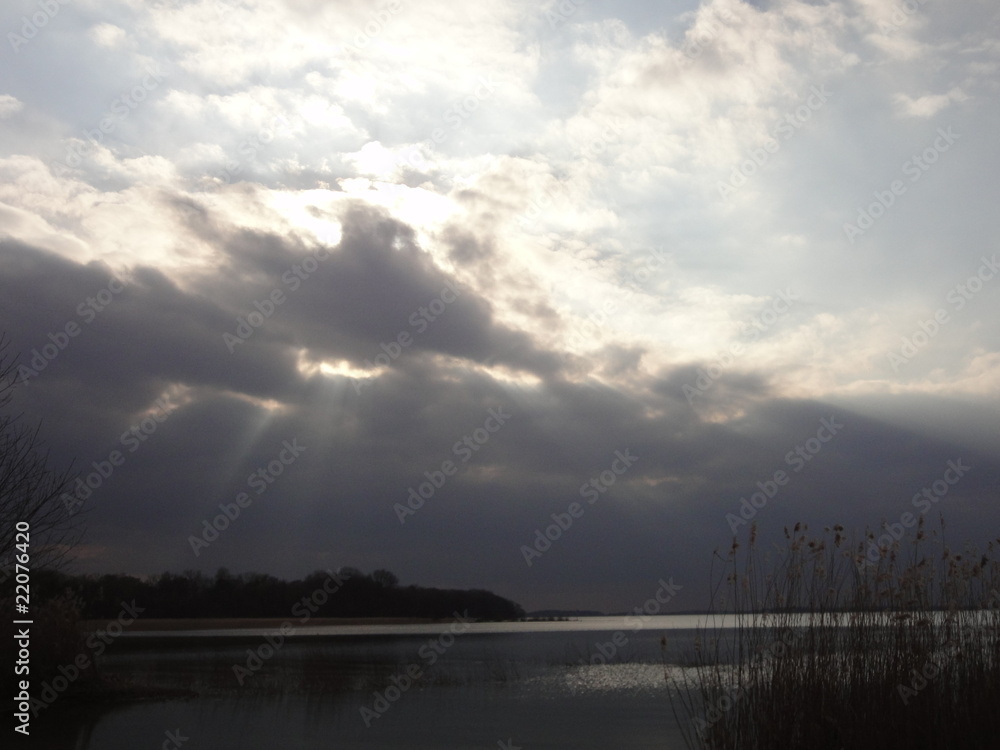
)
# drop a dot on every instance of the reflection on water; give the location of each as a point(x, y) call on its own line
point(549, 685)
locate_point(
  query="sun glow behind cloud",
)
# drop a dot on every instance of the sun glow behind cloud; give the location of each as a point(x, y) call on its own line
point(619, 142)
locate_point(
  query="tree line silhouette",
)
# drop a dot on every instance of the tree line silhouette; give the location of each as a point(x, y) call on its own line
point(345, 593)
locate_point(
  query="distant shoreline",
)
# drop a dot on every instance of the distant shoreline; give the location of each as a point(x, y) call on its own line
point(249, 623)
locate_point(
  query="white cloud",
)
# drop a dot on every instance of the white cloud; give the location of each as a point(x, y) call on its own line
point(928, 105)
point(107, 34)
point(595, 141)
point(9, 106)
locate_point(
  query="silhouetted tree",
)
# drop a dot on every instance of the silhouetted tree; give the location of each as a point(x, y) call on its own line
point(385, 578)
point(30, 489)
point(350, 572)
point(193, 594)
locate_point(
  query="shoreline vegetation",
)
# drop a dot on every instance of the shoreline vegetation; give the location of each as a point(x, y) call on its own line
point(823, 642)
point(345, 593)
point(838, 644)
point(79, 618)
point(175, 624)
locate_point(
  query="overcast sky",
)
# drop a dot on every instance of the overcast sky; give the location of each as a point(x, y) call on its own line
point(627, 256)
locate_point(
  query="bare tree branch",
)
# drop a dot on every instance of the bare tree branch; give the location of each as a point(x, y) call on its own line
point(30, 489)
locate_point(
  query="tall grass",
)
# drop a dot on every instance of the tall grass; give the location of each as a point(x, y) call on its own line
point(841, 644)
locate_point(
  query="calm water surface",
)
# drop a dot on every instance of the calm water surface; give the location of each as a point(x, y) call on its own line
point(590, 683)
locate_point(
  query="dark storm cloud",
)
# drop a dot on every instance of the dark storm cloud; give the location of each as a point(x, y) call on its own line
point(710, 390)
point(146, 335)
point(466, 249)
point(671, 509)
point(619, 360)
point(374, 286)
point(365, 450)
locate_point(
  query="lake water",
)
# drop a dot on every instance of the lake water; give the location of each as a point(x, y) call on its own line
point(590, 683)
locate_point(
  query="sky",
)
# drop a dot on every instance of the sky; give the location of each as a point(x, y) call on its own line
point(531, 297)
